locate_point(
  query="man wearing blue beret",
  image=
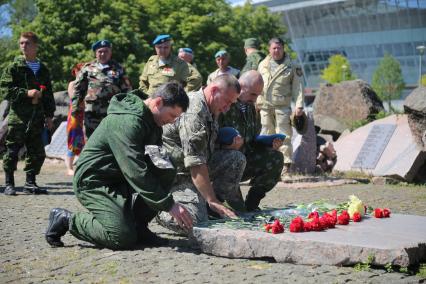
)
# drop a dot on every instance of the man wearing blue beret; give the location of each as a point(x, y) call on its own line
point(223, 58)
point(163, 67)
point(195, 80)
point(96, 83)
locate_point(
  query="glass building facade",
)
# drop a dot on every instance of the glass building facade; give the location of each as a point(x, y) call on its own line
point(362, 30)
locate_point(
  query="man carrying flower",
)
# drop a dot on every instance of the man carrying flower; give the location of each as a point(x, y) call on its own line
point(26, 84)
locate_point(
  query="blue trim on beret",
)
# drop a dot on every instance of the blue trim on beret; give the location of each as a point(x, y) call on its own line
point(161, 38)
point(101, 43)
point(220, 53)
point(226, 135)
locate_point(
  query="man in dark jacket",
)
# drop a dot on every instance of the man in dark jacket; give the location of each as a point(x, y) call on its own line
point(123, 176)
point(26, 85)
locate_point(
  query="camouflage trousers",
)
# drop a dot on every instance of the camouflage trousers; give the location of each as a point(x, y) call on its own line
point(226, 170)
point(92, 121)
point(17, 137)
point(277, 120)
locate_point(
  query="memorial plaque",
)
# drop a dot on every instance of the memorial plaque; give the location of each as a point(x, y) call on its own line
point(373, 147)
point(58, 146)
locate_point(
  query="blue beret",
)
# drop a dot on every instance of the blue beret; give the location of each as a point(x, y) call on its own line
point(187, 50)
point(161, 38)
point(226, 135)
point(220, 53)
point(268, 139)
point(101, 43)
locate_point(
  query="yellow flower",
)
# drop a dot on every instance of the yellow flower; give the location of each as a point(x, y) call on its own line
point(355, 205)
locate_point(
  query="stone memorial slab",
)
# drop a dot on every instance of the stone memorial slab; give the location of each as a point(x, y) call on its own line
point(399, 240)
point(58, 146)
point(305, 149)
point(373, 147)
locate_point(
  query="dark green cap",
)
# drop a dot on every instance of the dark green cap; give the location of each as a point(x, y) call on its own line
point(251, 42)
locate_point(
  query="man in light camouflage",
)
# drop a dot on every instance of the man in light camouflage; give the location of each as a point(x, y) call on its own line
point(263, 164)
point(190, 142)
point(282, 81)
point(96, 83)
point(195, 80)
point(223, 59)
point(254, 56)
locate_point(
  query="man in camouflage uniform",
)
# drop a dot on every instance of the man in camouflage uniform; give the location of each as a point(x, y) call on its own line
point(190, 142)
point(26, 85)
point(96, 83)
point(222, 58)
point(164, 67)
point(195, 80)
point(263, 164)
point(282, 81)
point(254, 56)
point(123, 177)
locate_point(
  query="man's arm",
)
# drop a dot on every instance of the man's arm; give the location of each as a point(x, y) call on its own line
point(10, 91)
point(81, 84)
point(143, 79)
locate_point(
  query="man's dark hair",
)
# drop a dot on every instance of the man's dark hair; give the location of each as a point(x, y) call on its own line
point(173, 94)
point(226, 81)
point(276, 40)
point(31, 36)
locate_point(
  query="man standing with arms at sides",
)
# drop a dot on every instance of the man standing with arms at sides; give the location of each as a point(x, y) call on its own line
point(123, 177)
point(164, 67)
point(254, 55)
point(96, 83)
point(282, 81)
point(195, 80)
point(222, 58)
point(26, 85)
point(190, 142)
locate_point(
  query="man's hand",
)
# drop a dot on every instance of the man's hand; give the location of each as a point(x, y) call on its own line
point(236, 144)
point(277, 143)
point(299, 111)
point(221, 210)
point(49, 123)
point(35, 95)
point(182, 216)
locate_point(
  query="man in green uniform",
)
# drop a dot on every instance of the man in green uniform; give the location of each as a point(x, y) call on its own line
point(164, 67)
point(26, 85)
point(195, 80)
point(254, 55)
point(263, 163)
point(96, 83)
point(123, 176)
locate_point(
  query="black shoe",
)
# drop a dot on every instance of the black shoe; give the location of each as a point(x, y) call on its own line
point(33, 188)
point(9, 190)
point(148, 238)
point(59, 220)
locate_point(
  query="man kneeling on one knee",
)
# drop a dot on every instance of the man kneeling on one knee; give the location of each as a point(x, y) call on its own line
point(123, 176)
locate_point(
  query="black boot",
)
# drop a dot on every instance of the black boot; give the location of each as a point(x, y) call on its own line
point(31, 187)
point(59, 221)
point(10, 184)
point(253, 200)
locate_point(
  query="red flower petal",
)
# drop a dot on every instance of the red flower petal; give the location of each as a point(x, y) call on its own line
point(386, 213)
point(378, 213)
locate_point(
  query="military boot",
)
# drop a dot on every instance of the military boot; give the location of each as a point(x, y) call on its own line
point(253, 200)
point(31, 187)
point(59, 222)
point(10, 184)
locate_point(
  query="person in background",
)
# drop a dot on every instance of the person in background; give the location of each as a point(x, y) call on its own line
point(222, 58)
point(195, 80)
point(254, 55)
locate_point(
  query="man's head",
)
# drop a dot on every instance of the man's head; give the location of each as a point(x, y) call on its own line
point(186, 54)
point(276, 48)
point(163, 46)
point(250, 45)
point(251, 83)
point(28, 44)
point(222, 59)
point(221, 93)
point(170, 101)
point(103, 50)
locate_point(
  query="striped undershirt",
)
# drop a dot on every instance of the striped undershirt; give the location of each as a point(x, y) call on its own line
point(34, 65)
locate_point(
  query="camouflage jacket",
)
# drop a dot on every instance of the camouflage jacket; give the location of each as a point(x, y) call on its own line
point(15, 82)
point(252, 61)
point(195, 80)
point(96, 85)
point(155, 73)
point(217, 72)
point(246, 122)
point(190, 141)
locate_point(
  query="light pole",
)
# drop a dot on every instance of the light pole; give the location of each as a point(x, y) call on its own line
point(421, 49)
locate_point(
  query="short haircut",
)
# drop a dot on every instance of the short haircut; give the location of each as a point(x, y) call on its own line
point(31, 36)
point(226, 81)
point(276, 40)
point(173, 94)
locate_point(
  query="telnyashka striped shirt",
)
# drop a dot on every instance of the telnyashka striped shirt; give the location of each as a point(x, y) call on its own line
point(34, 65)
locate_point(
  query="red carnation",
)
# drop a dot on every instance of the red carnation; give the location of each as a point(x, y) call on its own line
point(277, 227)
point(316, 225)
point(296, 225)
point(356, 217)
point(343, 219)
point(386, 213)
point(313, 215)
point(307, 226)
point(267, 227)
point(378, 213)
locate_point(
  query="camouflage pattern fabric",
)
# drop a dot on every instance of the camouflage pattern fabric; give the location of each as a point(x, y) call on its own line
point(252, 61)
point(158, 156)
point(217, 72)
point(195, 80)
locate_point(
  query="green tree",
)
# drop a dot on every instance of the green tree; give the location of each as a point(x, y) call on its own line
point(387, 80)
point(338, 70)
point(423, 80)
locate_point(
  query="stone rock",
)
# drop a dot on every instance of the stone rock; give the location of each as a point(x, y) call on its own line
point(338, 106)
point(399, 240)
point(304, 154)
point(400, 159)
point(415, 108)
